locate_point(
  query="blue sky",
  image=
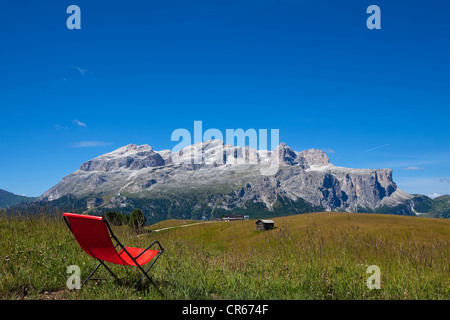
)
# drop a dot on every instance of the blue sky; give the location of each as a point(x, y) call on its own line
point(138, 70)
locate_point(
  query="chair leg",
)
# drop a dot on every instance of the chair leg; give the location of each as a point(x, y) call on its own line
point(92, 273)
point(152, 282)
point(109, 270)
point(145, 274)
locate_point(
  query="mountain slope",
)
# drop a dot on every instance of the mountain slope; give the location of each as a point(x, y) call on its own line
point(8, 199)
point(438, 207)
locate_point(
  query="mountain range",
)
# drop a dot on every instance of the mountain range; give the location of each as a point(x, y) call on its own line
point(210, 179)
point(9, 199)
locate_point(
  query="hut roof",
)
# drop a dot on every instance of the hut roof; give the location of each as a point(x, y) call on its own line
point(265, 221)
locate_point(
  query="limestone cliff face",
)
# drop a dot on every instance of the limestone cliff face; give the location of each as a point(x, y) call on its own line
point(337, 188)
point(216, 168)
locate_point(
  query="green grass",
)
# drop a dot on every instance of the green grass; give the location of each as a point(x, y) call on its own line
point(308, 256)
point(171, 223)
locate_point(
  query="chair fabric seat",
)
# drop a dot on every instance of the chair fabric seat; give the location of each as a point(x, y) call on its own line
point(143, 259)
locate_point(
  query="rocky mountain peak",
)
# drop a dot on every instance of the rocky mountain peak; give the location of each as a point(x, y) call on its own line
point(285, 155)
point(314, 157)
point(130, 149)
point(131, 156)
point(305, 159)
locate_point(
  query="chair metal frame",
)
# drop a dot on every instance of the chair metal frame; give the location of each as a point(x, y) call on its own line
point(134, 259)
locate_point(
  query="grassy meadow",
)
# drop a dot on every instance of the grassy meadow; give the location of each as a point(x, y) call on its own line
point(307, 256)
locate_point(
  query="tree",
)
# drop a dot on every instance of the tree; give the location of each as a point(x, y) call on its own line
point(125, 218)
point(113, 218)
point(120, 218)
point(137, 220)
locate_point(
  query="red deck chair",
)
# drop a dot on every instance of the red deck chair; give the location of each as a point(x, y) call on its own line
point(94, 235)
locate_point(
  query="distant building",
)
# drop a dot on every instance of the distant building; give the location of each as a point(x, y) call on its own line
point(233, 217)
point(264, 224)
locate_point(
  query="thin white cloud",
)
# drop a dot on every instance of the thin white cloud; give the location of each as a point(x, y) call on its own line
point(378, 147)
point(59, 127)
point(90, 144)
point(446, 180)
point(329, 151)
point(413, 168)
point(80, 70)
point(81, 124)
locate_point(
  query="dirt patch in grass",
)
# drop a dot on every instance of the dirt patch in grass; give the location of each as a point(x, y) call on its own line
point(54, 295)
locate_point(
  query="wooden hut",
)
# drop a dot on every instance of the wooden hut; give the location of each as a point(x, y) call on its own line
point(264, 224)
